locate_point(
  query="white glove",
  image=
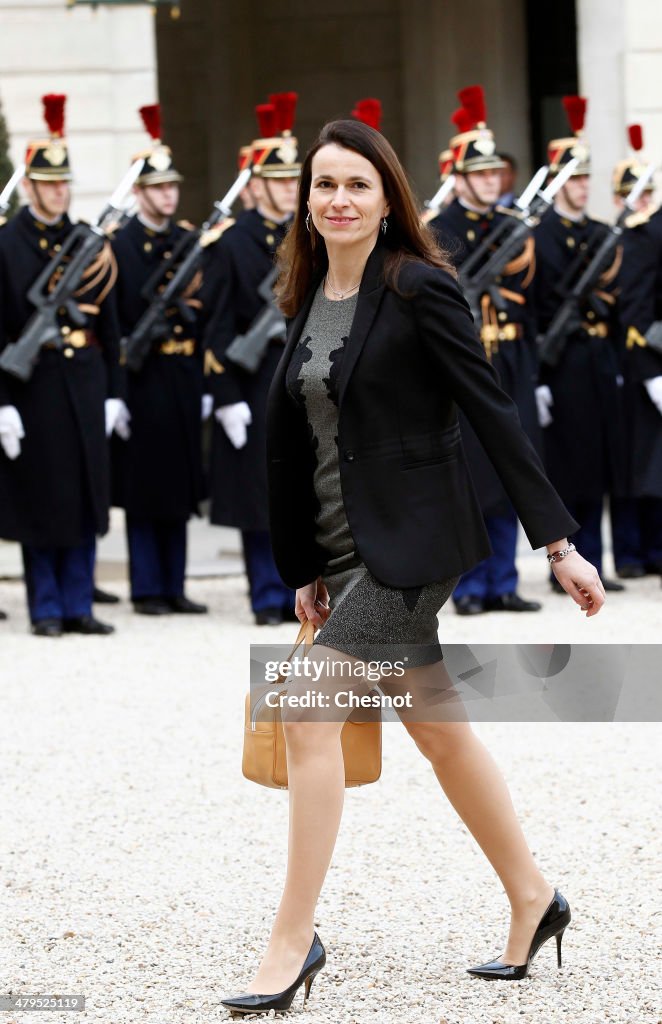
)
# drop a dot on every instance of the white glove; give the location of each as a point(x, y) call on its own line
point(544, 400)
point(11, 431)
point(654, 388)
point(234, 419)
point(207, 406)
point(117, 418)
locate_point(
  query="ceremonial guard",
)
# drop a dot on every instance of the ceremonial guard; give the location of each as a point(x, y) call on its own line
point(579, 396)
point(54, 471)
point(637, 519)
point(507, 331)
point(244, 259)
point(157, 464)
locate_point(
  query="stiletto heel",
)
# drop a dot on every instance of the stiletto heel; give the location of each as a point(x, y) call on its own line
point(307, 987)
point(553, 922)
point(559, 936)
point(257, 1002)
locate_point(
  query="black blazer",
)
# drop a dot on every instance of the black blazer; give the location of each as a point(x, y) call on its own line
point(409, 498)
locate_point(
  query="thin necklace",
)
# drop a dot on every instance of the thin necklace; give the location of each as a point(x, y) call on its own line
point(341, 295)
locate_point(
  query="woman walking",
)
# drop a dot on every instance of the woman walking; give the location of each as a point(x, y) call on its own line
point(373, 512)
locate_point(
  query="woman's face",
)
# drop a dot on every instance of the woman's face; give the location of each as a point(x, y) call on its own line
point(346, 200)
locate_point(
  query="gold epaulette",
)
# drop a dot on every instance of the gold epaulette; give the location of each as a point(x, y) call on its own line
point(213, 235)
point(634, 337)
point(509, 211)
point(186, 224)
point(212, 364)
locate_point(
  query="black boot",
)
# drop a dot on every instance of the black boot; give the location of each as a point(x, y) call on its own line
point(103, 597)
point(88, 625)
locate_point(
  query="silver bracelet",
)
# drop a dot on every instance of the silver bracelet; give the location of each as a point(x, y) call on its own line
point(557, 556)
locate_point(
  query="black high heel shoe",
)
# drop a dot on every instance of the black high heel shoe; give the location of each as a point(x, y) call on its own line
point(255, 1002)
point(554, 921)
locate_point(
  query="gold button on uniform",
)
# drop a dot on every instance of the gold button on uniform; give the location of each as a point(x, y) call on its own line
point(43, 243)
point(66, 330)
point(503, 316)
point(69, 353)
point(147, 246)
point(270, 239)
point(471, 235)
point(570, 242)
point(57, 247)
point(178, 329)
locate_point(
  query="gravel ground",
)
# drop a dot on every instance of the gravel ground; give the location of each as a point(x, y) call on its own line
point(142, 870)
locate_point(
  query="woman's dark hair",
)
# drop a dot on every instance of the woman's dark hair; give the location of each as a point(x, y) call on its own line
point(303, 253)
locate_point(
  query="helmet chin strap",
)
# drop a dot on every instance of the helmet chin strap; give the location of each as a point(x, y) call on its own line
point(45, 215)
point(272, 201)
point(475, 197)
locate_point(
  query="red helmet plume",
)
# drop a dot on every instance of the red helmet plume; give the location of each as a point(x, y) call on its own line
point(54, 112)
point(636, 137)
point(462, 120)
point(285, 104)
point(473, 100)
point(151, 118)
point(267, 119)
point(575, 108)
point(369, 111)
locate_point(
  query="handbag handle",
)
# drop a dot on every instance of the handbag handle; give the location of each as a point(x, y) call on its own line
point(307, 635)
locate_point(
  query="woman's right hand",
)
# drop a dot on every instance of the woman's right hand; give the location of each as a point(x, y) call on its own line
point(581, 580)
point(312, 603)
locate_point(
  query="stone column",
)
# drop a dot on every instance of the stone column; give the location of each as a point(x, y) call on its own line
point(104, 60)
point(620, 71)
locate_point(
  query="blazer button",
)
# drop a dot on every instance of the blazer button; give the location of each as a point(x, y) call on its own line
point(349, 455)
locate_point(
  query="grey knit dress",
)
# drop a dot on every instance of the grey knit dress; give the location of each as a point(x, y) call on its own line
point(369, 619)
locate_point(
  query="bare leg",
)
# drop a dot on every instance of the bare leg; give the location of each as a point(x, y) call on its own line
point(477, 790)
point(316, 783)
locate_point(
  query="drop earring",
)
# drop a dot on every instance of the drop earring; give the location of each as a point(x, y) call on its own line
point(308, 222)
point(384, 225)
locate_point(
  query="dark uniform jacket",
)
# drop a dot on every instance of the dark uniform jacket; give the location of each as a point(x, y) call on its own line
point(584, 445)
point(640, 305)
point(243, 257)
point(158, 472)
point(58, 487)
point(412, 510)
point(507, 336)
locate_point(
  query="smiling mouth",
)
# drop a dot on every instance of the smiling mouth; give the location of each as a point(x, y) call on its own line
point(342, 220)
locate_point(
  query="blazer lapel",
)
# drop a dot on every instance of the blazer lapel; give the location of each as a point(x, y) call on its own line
point(370, 294)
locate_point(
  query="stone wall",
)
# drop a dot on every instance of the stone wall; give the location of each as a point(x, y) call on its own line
point(620, 67)
point(105, 60)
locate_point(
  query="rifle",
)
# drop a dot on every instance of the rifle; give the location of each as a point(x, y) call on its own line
point(247, 350)
point(66, 269)
point(568, 316)
point(653, 336)
point(432, 206)
point(479, 272)
point(186, 258)
point(8, 191)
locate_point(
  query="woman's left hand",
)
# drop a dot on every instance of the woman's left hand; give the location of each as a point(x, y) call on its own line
point(582, 581)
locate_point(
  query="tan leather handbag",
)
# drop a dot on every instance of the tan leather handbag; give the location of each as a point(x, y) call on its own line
point(264, 758)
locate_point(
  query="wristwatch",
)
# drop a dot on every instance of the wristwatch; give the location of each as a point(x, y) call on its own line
point(557, 556)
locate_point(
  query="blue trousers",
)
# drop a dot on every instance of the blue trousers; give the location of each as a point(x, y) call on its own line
point(266, 587)
point(59, 581)
point(157, 558)
point(636, 531)
point(497, 574)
